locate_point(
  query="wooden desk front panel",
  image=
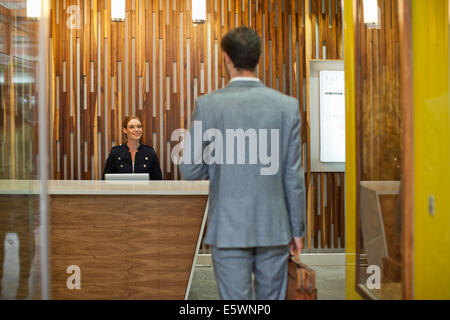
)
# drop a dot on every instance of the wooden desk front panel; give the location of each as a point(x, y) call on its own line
point(127, 247)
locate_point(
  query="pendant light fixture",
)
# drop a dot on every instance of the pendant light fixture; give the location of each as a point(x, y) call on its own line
point(198, 11)
point(118, 10)
point(33, 9)
point(371, 13)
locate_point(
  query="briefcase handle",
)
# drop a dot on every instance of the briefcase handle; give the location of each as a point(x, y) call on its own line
point(296, 259)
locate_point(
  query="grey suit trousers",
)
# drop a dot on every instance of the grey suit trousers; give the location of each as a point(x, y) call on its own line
point(233, 268)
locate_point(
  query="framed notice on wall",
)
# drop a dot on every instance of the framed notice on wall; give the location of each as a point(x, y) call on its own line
point(327, 115)
point(332, 116)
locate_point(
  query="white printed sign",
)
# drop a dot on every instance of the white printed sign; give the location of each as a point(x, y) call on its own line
point(332, 116)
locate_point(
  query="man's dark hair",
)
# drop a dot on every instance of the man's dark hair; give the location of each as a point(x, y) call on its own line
point(243, 46)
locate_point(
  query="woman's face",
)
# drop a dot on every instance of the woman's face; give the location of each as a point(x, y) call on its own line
point(133, 130)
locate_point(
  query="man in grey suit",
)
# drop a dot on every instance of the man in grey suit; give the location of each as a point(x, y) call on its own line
point(245, 139)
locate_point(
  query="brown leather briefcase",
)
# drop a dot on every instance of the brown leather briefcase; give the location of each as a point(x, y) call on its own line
point(301, 281)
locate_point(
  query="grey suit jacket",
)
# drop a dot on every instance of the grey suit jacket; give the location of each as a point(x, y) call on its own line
point(251, 203)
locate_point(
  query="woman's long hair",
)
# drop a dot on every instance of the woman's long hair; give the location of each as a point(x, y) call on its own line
point(125, 124)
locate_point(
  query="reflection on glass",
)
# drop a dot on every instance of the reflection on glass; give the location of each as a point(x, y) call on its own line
point(380, 252)
point(18, 151)
point(379, 255)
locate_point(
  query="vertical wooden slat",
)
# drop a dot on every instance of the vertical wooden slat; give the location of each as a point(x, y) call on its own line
point(97, 127)
point(78, 107)
point(323, 229)
point(133, 76)
point(107, 77)
point(336, 210)
point(154, 91)
point(315, 205)
point(126, 64)
point(161, 104)
point(309, 213)
point(328, 211)
point(188, 82)
point(182, 69)
point(94, 84)
point(305, 121)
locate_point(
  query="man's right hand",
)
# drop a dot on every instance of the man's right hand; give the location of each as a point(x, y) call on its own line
point(295, 247)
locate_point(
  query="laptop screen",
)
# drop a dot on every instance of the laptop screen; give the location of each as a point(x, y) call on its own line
point(127, 176)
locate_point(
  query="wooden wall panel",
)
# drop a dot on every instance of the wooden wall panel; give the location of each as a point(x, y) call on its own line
point(378, 137)
point(156, 63)
point(379, 102)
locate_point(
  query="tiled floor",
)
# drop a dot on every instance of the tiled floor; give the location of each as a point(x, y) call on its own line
point(330, 283)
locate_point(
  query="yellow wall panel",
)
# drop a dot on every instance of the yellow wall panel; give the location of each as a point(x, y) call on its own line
point(431, 150)
point(350, 167)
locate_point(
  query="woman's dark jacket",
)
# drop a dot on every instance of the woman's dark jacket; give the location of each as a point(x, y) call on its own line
point(145, 161)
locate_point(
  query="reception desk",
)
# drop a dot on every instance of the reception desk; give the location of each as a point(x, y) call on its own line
point(130, 240)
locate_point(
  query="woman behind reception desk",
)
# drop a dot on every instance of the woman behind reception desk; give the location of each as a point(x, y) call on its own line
point(133, 156)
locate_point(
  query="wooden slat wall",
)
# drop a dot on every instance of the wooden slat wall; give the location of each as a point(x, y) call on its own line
point(157, 62)
point(379, 99)
point(326, 203)
point(18, 101)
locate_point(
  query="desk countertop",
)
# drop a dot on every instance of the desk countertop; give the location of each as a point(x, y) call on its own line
point(100, 187)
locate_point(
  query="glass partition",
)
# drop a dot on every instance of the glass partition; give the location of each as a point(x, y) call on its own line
point(19, 152)
point(380, 154)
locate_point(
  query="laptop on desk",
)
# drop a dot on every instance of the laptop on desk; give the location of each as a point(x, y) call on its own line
point(127, 176)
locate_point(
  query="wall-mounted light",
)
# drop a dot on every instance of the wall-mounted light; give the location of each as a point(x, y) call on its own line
point(371, 13)
point(198, 11)
point(33, 9)
point(118, 10)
